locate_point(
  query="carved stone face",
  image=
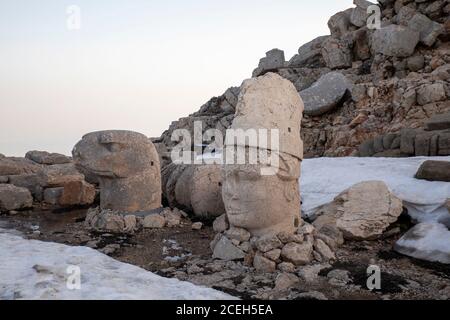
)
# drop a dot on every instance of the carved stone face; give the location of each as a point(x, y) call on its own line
point(259, 203)
point(127, 166)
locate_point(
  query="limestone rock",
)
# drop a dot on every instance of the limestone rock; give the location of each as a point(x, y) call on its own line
point(226, 250)
point(263, 264)
point(273, 60)
point(221, 223)
point(172, 217)
point(271, 102)
point(339, 23)
point(298, 254)
point(337, 53)
point(286, 267)
point(17, 166)
point(395, 41)
point(197, 226)
point(105, 221)
point(154, 221)
point(58, 175)
point(131, 223)
point(285, 281)
point(77, 193)
point(206, 191)
point(127, 166)
point(431, 93)
point(268, 243)
point(324, 95)
point(43, 157)
point(238, 234)
point(366, 209)
point(324, 250)
point(309, 54)
point(428, 29)
point(426, 241)
point(438, 122)
point(273, 255)
point(434, 171)
point(14, 198)
point(52, 195)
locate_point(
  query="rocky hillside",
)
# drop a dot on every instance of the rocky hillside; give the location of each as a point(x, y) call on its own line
point(361, 87)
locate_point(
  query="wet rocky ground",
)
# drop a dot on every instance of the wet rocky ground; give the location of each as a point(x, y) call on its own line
point(185, 254)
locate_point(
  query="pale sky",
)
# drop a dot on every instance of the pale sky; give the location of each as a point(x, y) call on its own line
point(134, 64)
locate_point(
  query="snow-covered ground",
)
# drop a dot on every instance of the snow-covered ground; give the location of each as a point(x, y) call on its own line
point(324, 178)
point(31, 269)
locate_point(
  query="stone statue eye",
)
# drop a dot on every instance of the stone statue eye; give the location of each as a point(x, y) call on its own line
point(113, 147)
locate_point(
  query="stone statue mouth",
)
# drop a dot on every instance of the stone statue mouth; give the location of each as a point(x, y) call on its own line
point(102, 173)
point(235, 212)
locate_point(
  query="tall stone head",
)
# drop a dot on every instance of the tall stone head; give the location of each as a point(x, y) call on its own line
point(127, 167)
point(263, 196)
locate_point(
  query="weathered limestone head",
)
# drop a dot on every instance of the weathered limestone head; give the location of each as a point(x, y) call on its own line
point(263, 204)
point(254, 199)
point(127, 166)
point(271, 102)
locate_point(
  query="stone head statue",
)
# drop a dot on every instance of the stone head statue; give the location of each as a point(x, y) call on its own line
point(263, 204)
point(254, 200)
point(127, 167)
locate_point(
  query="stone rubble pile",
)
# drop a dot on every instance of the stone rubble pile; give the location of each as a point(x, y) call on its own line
point(359, 83)
point(45, 179)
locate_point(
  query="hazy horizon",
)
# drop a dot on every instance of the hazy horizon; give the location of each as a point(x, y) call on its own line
point(135, 65)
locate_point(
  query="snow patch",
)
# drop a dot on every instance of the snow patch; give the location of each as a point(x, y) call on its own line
point(324, 178)
point(31, 269)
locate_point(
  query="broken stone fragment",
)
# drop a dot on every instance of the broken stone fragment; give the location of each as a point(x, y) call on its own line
point(197, 226)
point(154, 221)
point(238, 234)
point(263, 264)
point(43, 157)
point(221, 223)
point(267, 243)
point(298, 254)
point(395, 41)
point(273, 60)
point(226, 250)
point(14, 198)
point(325, 94)
point(285, 281)
point(434, 171)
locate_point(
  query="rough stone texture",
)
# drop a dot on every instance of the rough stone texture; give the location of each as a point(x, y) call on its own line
point(58, 175)
point(426, 241)
point(52, 195)
point(154, 221)
point(267, 102)
point(268, 243)
point(238, 234)
point(273, 60)
point(197, 226)
point(324, 250)
point(14, 198)
point(434, 171)
point(337, 53)
point(431, 93)
point(44, 157)
point(339, 23)
point(226, 250)
point(105, 221)
point(309, 54)
point(395, 41)
point(127, 166)
point(221, 224)
point(427, 28)
point(438, 122)
point(366, 209)
point(77, 193)
point(17, 166)
point(324, 95)
point(298, 254)
point(263, 264)
point(285, 281)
